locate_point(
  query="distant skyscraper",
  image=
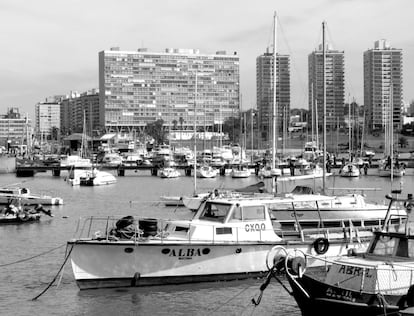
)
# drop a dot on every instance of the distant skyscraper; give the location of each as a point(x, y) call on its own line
point(335, 86)
point(47, 117)
point(264, 92)
point(383, 70)
point(140, 87)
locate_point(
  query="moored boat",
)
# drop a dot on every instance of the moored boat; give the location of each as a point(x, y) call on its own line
point(9, 194)
point(228, 238)
point(16, 214)
point(96, 177)
point(376, 282)
point(169, 172)
point(350, 170)
point(206, 171)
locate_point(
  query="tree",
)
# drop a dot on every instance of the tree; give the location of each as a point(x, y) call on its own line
point(231, 126)
point(402, 142)
point(156, 131)
point(55, 132)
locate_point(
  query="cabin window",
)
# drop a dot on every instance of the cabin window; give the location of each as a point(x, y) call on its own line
point(254, 213)
point(237, 214)
point(411, 248)
point(215, 212)
point(224, 230)
point(384, 246)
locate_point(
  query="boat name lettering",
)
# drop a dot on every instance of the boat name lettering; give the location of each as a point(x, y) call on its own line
point(297, 214)
point(357, 271)
point(255, 227)
point(345, 295)
point(187, 253)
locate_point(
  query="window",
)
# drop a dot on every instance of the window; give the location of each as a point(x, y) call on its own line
point(254, 213)
point(215, 212)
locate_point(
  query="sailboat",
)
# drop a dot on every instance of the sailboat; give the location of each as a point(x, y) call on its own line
point(351, 169)
point(388, 167)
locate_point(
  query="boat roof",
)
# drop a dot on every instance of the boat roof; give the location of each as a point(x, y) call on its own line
point(269, 199)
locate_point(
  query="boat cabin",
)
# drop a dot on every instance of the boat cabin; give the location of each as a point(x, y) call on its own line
point(227, 220)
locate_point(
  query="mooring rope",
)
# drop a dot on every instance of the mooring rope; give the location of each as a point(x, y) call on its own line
point(57, 274)
point(30, 258)
point(231, 298)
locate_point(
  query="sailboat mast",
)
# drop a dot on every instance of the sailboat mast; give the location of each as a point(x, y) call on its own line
point(274, 105)
point(349, 130)
point(391, 124)
point(324, 107)
point(195, 135)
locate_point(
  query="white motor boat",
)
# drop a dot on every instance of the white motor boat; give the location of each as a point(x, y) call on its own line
point(241, 171)
point(169, 172)
point(206, 171)
point(96, 177)
point(228, 238)
point(350, 170)
point(10, 194)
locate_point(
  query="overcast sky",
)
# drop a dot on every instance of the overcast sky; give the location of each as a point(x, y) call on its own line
point(50, 47)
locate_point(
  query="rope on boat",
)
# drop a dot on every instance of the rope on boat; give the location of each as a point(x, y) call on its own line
point(57, 274)
point(30, 258)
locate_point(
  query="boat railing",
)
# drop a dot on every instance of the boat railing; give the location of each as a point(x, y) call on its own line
point(140, 229)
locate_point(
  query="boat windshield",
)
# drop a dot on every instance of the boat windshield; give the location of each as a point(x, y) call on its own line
point(392, 246)
point(216, 212)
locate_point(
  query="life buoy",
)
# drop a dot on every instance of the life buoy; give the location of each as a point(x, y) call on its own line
point(321, 245)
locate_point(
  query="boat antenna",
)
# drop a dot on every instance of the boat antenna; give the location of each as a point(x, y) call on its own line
point(274, 115)
point(324, 107)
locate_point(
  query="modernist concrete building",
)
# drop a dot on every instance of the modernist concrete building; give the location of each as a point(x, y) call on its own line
point(47, 117)
point(140, 87)
point(335, 86)
point(383, 85)
point(79, 112)
point(264, 92)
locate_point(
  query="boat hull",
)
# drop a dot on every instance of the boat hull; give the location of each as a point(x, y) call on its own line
point(132, 263)
point(317, 298)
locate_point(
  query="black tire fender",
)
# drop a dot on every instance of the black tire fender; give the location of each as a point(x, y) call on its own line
point(321, 245)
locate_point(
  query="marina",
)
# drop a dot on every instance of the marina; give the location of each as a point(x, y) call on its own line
point(138, 195)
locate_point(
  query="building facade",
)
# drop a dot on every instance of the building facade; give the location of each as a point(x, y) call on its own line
point(264, 92)
point(14, 128)
point(47, 118)
point(335, 87)
point(79, 112)
point(178, 85)
point(383, 85)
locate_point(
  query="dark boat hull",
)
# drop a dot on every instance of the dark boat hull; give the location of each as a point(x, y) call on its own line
point(317, 298)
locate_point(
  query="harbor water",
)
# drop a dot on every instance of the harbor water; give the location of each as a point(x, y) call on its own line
point(33, 253)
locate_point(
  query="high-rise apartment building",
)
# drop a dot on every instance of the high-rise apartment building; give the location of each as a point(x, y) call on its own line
point(80, 112)
point(140, 87)
point(47, 117)
point(383, 88)
point(334, 83)
point(264, 92)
